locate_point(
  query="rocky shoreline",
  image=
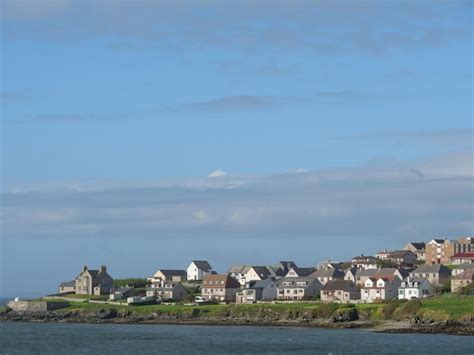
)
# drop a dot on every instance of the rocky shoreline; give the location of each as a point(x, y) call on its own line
point(347, 321)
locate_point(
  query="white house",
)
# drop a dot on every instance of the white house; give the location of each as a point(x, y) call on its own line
point(197, 269)
point(417, 287)
point(257, 290)
point(381, 288)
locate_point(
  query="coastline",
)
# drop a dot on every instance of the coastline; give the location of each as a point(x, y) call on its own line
point(111, 316)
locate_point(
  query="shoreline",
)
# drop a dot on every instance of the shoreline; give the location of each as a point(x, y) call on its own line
point(379, 326)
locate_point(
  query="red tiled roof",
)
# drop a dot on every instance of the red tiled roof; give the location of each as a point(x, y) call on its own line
point(469, 254)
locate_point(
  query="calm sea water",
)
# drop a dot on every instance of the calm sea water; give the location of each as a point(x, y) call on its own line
point(25, 338)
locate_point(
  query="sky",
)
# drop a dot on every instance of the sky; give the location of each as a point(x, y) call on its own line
point(145, 134)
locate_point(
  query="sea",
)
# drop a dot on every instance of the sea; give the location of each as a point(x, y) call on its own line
point(62, 338)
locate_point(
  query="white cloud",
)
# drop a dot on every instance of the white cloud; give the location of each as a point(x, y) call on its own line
point(217, 173)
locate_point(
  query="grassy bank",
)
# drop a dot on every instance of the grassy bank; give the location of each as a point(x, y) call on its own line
point(448, 307)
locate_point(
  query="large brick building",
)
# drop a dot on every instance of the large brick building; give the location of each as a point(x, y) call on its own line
point(440, 251)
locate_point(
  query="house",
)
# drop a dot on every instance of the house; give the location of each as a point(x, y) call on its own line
point(300, 271)
point(360, 276)
point(168, 275)
point(436, 274)
point(238, 273)
point(418, 248)
point(220, 287)
point(285, 266)
point(94, 282)
point(167, 290)
point(256, 273)
point(380, 288)
point(440, 251)
point(324, 265)
point(461, 268)
point(298, 288)
point(402, 257)
point(382, 255)
point(462, 280)
point(326, 275)
point(461, 258)
point(261, 290)
point(121, 293)
point(67, 287)
point(276, 272)
point(339, 291)
point(364, 262)
point(197, 269)
point(417, 287)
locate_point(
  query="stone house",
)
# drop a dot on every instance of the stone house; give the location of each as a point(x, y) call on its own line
point(402, 257)
point(261, 290)
point(167, 290)
point(462, 280)
point(339, 291)
point(380, 288)
point(67, 287)
point(197, 269)
point(298, 288)
point(94, 282)
point(222, 288)
point(436, 274)
point(417, 287)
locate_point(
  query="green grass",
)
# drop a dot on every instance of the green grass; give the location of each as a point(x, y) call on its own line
point(452, 306)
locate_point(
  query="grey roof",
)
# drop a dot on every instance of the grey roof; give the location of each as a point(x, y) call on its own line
point(202, 264)
point(276, 271)
point(367, 272)
point(328, 273)
point(237, 269)
point(170, 272)
point(259, 284)
point(304, 271)
point(420, 280)
point(71, 283)
point(465, 266)
point(262, 271)
point(418, 245)
point(399, 253)
point(343, 285)
point(309, 280)
point(285, 265)
point(436, 268)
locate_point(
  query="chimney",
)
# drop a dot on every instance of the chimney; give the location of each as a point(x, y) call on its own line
point(84, 268)
point(102, 269)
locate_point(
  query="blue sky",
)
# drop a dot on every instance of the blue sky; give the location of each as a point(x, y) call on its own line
point(324, 116)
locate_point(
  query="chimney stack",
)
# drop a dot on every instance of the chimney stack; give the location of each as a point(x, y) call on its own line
point(103, 269)
point(84, 268)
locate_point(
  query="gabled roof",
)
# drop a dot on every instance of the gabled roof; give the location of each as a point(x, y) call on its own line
point(219, 281)
point(260, 284)
point(399, 253)
point(71, 283)
point(418, 245)
point(303, 271)
point(261, 271)
point(202, 264)
point(170, 272)
point(418, 280)
point(285, 265)
point(436, 240)
point(295, 280)
point(434, 269)
point(237, 269)
point(468, 254)
point(328, 273)
point(340, 285)
point(276, 271)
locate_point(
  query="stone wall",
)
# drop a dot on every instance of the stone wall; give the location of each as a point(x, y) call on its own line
point(40, 306)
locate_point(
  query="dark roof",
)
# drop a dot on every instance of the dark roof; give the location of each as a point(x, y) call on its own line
point(259, 284)
point(294, 281)
point(202, 264)
point(328, 273)
point(343, 285)
point(286, 265)
point(437, 268)
point(399, 253)
point(304, 271)
point(71, 283)
point(261, 271)
point(418, 245)
point(169, 272)
point(215, 281)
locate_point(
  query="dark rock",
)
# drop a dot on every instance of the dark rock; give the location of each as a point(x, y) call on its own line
point(345, 315)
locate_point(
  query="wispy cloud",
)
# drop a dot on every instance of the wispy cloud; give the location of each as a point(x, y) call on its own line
point(415, 199)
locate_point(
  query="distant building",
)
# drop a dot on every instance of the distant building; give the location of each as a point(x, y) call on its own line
point(326, 275)
point(168, 275)
point(167, 290)
point(222, 288)
point(67, 287)
point(381, 288)
point(436, 274)
point(461, 268)
point(461, 258)
point(417, 287)
point(440, 251)
point(94, 282)
point(238, 272)
point(262, 290)
point(121, 293)
point(418, 248)
point(364, 262)
point(339, 291)
point(198, 269)
point(462, 280)
point(300, 271)
point(402, 257)
point(298, 288)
